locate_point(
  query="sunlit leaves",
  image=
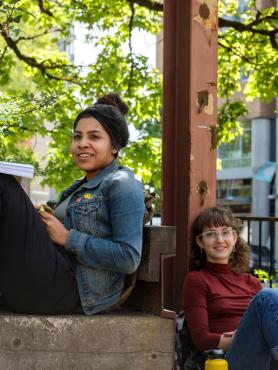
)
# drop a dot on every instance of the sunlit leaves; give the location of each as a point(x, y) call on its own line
point(44, 95)
point(228, 124)
point(145, 156)
point(227, 7)
point(247, 64)
point(247, 55)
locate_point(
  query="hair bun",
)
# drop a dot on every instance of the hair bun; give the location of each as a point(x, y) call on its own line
point(115, 100)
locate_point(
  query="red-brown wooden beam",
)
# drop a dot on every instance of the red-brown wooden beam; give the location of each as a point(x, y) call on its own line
point(189, 119)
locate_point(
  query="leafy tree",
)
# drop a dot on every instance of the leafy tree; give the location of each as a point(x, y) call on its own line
point(42, 89)
point(248, 59)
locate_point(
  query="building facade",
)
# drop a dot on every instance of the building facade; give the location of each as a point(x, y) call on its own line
point(241, 160)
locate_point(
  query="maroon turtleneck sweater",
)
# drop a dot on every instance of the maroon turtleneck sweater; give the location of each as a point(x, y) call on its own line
point(214, 300)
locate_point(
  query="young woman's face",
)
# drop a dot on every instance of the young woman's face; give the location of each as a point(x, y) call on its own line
point(91, 147)
point(217, 243)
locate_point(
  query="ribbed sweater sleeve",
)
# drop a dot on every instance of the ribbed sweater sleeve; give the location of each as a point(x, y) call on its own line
point(194, 303)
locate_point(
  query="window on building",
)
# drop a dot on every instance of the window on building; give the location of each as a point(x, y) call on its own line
point(237, 153)
point(235, 188)
point(235, 193)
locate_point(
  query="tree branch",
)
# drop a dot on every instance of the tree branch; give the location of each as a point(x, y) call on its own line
point(234, 51)
point(46, 32)
point(43, 10)
point(222, 22)
point(23, 128)
point(32, 62)
point(241, 27)
point(259, 19)
point(149, 4)
point(3, 54)
point(130, 27)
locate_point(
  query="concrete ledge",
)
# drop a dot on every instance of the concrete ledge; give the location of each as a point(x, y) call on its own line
point(118, 341)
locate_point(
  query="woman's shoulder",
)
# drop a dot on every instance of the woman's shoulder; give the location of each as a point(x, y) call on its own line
point(121, 172)
point(250, 280)
point(194, 276)
point(121, 181)
point(253, 280)
point(194, 280)
point(122, 176)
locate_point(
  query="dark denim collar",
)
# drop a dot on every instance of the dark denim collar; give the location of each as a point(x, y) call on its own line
point(113, 166)
point(100, 176)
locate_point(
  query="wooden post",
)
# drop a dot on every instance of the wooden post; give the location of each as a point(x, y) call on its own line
point(189, 119)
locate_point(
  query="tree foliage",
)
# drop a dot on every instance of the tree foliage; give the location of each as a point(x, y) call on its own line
point(248, 60)
point(42, 88)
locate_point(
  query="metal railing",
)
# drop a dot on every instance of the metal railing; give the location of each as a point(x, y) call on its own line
point(260, 235)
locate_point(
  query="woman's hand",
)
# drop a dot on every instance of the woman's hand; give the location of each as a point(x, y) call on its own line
point(56, 230)
point(226, 340)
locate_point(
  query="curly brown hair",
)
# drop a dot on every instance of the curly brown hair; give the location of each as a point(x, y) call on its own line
point(215, 217)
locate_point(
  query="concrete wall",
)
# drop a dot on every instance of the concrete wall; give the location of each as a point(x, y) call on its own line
point(112, 341)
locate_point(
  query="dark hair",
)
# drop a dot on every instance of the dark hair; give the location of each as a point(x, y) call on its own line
point(109, 111)
point(115, 100)
point(219, 216)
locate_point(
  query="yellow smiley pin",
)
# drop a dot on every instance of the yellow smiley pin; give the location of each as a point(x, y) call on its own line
point(87, 195)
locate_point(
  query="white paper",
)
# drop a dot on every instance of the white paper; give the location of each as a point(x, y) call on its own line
point(17, 169)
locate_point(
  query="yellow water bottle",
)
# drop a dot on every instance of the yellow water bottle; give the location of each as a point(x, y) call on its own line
point(215, 360)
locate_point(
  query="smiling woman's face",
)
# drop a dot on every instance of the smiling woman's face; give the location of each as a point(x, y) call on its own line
point(91, 147)
point(217, 242)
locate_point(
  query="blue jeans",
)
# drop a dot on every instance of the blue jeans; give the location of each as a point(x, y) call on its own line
point(256, 335)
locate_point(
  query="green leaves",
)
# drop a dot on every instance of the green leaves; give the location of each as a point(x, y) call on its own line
point(42, 90)
point(247, 56)
point(227, 7)
point(144, 156)
point(20, 112)
point(265, 277)
point(228, 124)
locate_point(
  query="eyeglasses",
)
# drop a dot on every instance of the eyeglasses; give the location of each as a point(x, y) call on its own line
point(212, 235)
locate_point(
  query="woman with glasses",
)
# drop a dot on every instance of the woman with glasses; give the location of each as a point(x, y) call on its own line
point(224, 305)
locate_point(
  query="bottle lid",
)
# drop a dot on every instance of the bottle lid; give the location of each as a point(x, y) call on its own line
point(214, 353)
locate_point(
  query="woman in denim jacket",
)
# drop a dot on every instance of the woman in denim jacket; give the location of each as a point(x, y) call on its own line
point(76, 259)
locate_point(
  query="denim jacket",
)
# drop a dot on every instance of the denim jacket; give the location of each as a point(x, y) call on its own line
point(104, 217)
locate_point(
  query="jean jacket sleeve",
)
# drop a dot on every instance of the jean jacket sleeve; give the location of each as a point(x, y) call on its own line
point(122, 252)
